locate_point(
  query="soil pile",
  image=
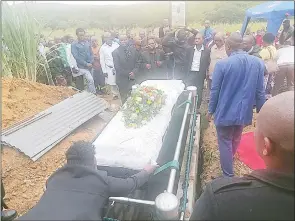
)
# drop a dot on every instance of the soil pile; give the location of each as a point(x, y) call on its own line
point(22, 99)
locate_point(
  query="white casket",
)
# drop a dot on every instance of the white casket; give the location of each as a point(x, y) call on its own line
point(118, 146)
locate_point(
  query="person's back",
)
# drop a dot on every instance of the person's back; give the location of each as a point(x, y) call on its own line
point(285, 55)
point(78, 191)
point(235, 89)
point(263, 194)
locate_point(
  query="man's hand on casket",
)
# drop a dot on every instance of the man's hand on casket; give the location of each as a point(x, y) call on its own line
point(149, 168)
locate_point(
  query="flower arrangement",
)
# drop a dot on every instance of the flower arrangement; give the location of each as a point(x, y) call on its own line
point(144, 103)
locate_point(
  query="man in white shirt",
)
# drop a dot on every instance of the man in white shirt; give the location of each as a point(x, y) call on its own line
point(198, 60)
point(285, 61)
point(107, 63)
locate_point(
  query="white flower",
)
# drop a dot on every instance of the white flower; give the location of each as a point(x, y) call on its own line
point(133, 116)
point(138, 99)
point(152, 98)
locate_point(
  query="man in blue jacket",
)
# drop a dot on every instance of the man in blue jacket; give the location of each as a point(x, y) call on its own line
point(237, 82)
point(81, 50)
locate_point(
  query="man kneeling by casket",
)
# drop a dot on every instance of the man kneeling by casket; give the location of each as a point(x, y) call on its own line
point(78, 191)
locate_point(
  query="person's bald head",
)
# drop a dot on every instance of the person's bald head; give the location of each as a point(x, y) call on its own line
point(274, 133)
point(219, 39)
point(233, 43)
point(248, 42)
point(123, 40)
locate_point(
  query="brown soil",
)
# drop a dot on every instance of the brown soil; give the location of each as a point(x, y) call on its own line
point(23, 179)
point(209, 148)
point(22, 99)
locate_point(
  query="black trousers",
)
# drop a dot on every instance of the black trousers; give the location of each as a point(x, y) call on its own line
point(125, 86)
point(99, 79)
point(79, 81)
point(196, 78)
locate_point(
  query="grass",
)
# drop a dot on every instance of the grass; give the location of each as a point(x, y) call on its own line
point(20, 38)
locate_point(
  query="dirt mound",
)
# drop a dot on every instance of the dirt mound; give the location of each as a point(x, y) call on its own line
point(23, 179)
point(22, 99)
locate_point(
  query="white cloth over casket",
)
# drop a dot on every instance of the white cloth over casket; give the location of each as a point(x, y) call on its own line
point(118, 146)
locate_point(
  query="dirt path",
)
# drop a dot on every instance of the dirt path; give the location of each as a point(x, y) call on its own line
point(209, 148)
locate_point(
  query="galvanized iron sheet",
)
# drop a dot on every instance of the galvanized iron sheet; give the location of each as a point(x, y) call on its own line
point(37, 135)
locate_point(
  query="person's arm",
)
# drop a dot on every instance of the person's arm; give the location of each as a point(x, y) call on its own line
point(217, 78)
point(121, 187)
point(75, 53)
point(204, 207)
point(102, 61)
point(191, 39)
point(137, 63)
point(116, 60)
point(260, 92)
point(281, 38)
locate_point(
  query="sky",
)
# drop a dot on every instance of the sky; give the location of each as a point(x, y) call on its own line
point(86, 2)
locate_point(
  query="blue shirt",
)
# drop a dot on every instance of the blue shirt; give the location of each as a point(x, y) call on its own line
point(82, 53)
point(208, 35)
point(237, 82)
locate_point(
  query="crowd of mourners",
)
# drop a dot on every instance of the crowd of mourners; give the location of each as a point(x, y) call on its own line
point(242, 73)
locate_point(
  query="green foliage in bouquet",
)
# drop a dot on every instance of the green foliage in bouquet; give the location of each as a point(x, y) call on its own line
point(144, 103)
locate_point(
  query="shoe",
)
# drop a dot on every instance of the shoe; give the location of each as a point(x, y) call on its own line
point(98, 92)
point(8, 215)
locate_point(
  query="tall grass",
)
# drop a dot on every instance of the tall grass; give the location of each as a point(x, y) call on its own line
point(20, 39)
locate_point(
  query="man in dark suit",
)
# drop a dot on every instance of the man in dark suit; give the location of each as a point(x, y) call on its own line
point(125, 61)
point(198, 60)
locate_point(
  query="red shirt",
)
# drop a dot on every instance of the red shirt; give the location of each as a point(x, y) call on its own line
point(259, 40)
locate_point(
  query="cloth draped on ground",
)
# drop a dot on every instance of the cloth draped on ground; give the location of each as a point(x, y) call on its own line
point(247, 152)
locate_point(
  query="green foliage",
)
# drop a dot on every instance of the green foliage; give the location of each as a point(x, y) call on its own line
point(20, 38)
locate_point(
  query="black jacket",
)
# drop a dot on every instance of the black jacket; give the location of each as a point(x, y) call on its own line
point(124, 66)
point(204, 62)
point(261, 195)
point(155, 72)
point(179, 50)
point(79, 193)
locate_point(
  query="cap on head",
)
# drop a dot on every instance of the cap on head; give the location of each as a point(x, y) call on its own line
point(81, 153)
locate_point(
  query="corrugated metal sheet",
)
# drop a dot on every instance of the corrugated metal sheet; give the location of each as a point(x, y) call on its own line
point(37, 135)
